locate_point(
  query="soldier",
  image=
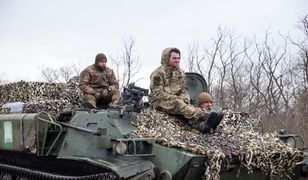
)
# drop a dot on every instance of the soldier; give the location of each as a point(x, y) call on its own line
point(169, 93)
point(99, 84)
point(205, 101)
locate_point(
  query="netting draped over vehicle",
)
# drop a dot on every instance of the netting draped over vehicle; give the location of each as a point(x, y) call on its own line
point(237, 136)
point(41, 96)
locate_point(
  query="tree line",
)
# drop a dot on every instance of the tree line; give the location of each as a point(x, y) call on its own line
point(266, 78)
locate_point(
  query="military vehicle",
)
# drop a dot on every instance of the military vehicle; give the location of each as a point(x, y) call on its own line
point(91, 144)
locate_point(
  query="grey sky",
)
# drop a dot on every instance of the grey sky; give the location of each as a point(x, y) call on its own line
point(37, 33)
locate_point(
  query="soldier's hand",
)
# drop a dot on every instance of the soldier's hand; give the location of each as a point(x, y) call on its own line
point(105, 92)
point(96, 94)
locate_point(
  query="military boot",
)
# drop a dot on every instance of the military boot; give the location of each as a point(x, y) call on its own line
point(220, 115)
point(89, 104)
point(210, 121)
point(203, 127)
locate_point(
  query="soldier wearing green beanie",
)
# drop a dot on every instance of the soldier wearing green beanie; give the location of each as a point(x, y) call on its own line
point(99, 84)
point(205, 100)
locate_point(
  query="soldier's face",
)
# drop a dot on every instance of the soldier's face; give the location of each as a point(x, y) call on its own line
point(174, 60)
point(206, 105)
point(102, 64)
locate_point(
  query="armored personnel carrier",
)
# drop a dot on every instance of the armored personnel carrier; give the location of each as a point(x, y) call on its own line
point(94, 144)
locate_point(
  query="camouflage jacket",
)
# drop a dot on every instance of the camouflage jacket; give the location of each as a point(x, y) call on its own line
point(94, 78)
point(167, 83)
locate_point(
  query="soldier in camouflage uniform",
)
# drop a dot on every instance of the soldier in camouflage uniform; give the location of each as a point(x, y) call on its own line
point(99, 84)
point(169, 93)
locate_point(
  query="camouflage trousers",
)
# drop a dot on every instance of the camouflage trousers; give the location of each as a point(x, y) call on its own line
point(179, 107)
point(112, 97)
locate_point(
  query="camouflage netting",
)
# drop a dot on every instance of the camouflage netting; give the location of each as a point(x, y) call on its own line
point(41, 96)
point(236, 136)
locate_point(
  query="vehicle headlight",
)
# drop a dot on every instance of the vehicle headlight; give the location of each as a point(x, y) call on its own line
point(119, 148)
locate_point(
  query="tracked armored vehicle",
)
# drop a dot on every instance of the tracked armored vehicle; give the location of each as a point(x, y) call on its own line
point(95, 145)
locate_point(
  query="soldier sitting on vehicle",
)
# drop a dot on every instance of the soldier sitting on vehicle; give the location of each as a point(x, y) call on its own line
point(169, 93)
point(99, 84)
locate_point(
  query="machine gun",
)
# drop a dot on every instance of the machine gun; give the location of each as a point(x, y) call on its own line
point(132, 97)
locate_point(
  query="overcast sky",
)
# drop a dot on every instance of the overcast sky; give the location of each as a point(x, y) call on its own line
point(54, 33)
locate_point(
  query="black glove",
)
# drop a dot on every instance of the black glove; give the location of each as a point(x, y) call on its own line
point(214, 119)
point(210, 121)
point(203, 127)
point(97, 94)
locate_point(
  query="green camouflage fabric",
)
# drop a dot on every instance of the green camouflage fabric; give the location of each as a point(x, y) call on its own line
point(94, 78)
point(169, 92)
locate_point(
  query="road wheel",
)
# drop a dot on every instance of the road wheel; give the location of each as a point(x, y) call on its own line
point(6, 176)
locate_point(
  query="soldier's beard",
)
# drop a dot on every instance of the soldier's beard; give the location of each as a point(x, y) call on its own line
point(101, 68)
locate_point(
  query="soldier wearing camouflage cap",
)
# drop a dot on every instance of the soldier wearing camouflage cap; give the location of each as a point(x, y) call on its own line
point(169, 93)
point(99, 84)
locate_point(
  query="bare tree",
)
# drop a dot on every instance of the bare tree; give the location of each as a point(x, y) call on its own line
point(203, 62)
point(194, 58)
point(272, 60)
point(255, 72)
point(211, 55)
point(127, 63)
point(300, 79)
point(302, 46)
point(303, 25)
point(66, 72)
point(265, 78)
point(131, 62)
point(272, 71)
point(62, 74)
point(235, 77)
point(50, 74)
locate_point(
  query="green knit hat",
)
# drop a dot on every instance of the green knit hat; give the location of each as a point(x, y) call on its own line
point(100, 57)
